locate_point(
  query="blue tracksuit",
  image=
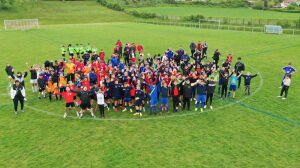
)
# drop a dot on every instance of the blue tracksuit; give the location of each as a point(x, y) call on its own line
point(153, 94)
point(248, 79)
point(201, 91)
point(114, 61)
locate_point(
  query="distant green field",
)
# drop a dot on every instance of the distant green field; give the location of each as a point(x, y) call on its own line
point(68, 12)
point(218, 12)
point(229, 136)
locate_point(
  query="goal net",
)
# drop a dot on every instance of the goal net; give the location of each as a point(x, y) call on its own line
point(21, 24)
point(209, 23)
point(273, 29)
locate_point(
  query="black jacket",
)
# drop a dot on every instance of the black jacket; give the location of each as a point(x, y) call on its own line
point(85, 96)
point(187, 90)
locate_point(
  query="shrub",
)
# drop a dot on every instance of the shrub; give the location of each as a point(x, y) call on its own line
point(7, 4)
point(292, 6)
point(258, 5)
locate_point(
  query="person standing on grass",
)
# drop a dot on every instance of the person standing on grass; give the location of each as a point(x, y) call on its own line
point(216, 58)
point(233, 83)
point(10, 72)
point(193, 48)
point(175, 92)
point(225, 78)
point(247, 79)
point(286, 85)
point(127, 96)
point(164, 102)
point(153, 96)
point(204, 49)
point(17, 94)
point(140, 48)
point(187, 91)
point(288, 70)
point(70, 66)
point(71, 51)
point(239, 68)
point(20, 77)
point(69, 99)
point(63, 52)
point(33, 77)
point(77, 50)
point(101, 102)
point(85, 98)
point(211, 85)
point(201, 91)
point(139, 98)
point(42, 86)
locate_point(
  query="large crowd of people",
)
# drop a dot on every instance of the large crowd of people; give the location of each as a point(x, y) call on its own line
point(85, 77)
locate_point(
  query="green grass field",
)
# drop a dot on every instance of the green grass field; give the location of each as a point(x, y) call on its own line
point(218, 12)
point(67, 12)
point(232, 135)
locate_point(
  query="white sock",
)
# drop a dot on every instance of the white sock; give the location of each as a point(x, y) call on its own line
point(35, 88)
point(32, 89)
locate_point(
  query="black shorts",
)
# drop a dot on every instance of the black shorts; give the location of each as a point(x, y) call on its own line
point(117, 98)
point(63, 55)
point(132, 97)
point(70, 104)
point(71, 54)
point(85, 106)
point(41, 89)
point(138, 103)
point(78, 53)
point(89, 51)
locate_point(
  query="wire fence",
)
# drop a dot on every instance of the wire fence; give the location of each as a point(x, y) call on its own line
point(219, 27)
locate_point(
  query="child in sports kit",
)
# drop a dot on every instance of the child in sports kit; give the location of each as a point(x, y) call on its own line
point(233, 82)
point(33, 77)
point(187, 91)
point(225, 78)
point(116, 93)
point(85, 97)
point(52, 89)
point(69, 99)
point(63, 52)
point(286, 85)
point(20, 78)
point(101, 102)
point(164, 101)
point(288, 70)
point(42, 86)
point(211, 85)
point(77, 50)
point(62, 84)
point(153, 96)
point(247, 79)
point(127, 96)
point(71, 51)
point(201, 91)
point(139, 97)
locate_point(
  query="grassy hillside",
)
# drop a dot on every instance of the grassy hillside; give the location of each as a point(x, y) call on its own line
point(68, 12)
point(218, 12)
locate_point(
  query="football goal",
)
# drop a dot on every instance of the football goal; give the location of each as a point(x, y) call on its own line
point(273, 29)
point(21, 24)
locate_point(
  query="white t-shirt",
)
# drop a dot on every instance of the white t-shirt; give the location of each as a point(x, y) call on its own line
point(100, 98)
point(287, 82)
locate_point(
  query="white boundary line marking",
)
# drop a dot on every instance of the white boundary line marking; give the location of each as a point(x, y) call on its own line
point(159, 117)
